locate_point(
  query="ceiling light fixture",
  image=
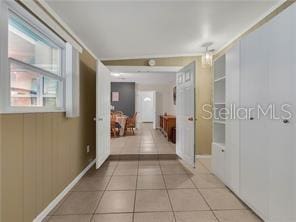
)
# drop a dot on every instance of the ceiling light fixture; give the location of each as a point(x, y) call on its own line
point(115, 74)
point(207, 57)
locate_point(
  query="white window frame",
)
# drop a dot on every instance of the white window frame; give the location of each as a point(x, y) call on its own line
point(6, 8)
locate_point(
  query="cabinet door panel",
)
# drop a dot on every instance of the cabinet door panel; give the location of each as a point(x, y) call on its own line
point(253, 135)
point(293, 47)
point(281, 135)
point(232, 124)
point(218, 161)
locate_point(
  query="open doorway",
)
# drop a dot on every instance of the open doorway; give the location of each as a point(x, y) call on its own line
point(145, 118)
point(148, 95)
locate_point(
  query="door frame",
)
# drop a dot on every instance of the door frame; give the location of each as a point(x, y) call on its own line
point(128, 69)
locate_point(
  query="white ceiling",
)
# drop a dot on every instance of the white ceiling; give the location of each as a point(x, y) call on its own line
point(134, 29)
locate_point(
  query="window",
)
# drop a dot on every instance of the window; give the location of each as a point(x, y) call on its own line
point(27, 45)
point(35, 67)
point(29, 88)
point(39, 71)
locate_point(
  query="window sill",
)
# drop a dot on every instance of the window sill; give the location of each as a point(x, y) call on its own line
point(20, 110)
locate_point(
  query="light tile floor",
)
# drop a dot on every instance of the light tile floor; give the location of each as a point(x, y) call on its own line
point(151, 191)
point(145, 141)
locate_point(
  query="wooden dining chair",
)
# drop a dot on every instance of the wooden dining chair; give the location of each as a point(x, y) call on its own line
point(118, 113)
point(114, 128)
point(131, 123)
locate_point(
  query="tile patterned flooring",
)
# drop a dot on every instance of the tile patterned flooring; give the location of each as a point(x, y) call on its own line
point(145, 141)
point(150, 191)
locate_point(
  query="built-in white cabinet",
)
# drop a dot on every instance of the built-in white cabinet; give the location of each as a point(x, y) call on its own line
point(267, 144)
point(232, 65)
point(281, 90)
point(258, 161)
point(253, 133)
point(218, 163)
point(218, 145)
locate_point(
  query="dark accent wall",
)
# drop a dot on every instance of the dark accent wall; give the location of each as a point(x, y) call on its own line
point(127, 97)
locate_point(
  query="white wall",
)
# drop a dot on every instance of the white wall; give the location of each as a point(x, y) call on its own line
point(165, 102)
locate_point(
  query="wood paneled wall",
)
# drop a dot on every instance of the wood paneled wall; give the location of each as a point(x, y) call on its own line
point(203, 93)
point(41, 153)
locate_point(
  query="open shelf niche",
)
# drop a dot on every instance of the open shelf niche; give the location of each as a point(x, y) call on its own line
point(219, 101)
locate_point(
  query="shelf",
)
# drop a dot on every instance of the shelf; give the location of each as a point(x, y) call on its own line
point(219, 103)
point(222, 103)
point(219, 79)
point(219, 144)
point(219, 121)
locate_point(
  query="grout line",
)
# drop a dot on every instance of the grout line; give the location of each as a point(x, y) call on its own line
point(204, 200)
point(134, 209)
point(100, 199)
point(167, 192)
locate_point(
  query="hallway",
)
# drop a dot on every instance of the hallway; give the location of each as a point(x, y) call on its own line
point(145, 141)
point(151, 191)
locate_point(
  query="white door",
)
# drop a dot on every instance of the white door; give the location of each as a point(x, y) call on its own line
point(147, 106)
point(218, 162)
point(185, 114)
point(253, 131)
point(102, 114)
point(282, 131)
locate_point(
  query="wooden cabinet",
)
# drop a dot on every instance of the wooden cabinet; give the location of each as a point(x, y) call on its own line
point(167, 123)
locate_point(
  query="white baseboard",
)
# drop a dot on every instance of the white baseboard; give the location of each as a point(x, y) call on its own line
point(54, 203)
point(203, 156)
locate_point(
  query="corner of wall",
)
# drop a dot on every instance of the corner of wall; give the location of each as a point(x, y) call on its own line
point(86, 58)
point(204, 84)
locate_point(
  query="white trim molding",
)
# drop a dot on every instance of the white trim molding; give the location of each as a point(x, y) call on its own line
point(134, 69)
point(55, 202)
point(154, 56)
